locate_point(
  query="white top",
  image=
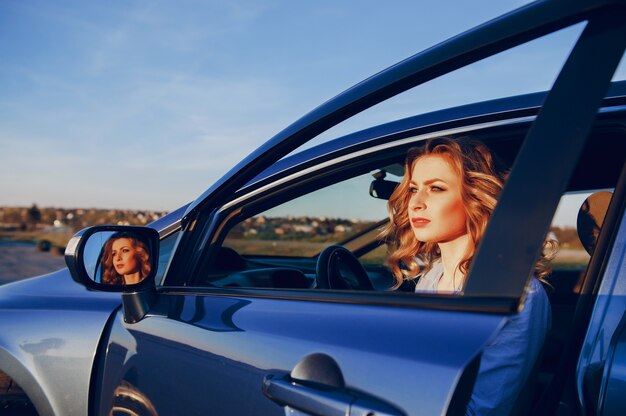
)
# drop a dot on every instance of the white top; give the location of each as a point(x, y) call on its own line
point(429, 281)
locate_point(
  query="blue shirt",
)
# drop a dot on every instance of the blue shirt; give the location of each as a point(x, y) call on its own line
point(509, 358)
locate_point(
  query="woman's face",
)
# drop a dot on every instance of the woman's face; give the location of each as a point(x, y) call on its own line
point(124, 256)
point(436, 210)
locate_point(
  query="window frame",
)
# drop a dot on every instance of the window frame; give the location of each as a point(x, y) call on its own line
point(334, 164)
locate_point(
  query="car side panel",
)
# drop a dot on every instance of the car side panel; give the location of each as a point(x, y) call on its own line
point(608, 311)
point(208, 354)
point(48, 342)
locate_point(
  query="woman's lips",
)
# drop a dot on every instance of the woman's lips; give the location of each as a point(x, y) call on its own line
point(419, 222)
point(119, 265)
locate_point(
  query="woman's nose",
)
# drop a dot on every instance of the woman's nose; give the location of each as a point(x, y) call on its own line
point(418, 201)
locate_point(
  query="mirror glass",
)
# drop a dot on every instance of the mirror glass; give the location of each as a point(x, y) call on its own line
point(118, 258)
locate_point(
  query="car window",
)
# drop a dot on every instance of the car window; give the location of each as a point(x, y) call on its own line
point(571, 254)
point(302, 227)
point(508, 73)
point(288, 232)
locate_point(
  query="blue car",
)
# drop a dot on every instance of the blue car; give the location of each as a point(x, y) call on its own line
point(269, 294)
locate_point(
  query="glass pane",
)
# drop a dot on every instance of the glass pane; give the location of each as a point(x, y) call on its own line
point(528, 68)
point(165, 253)
point(571, 254)
point(377, 256)
point(304, 226)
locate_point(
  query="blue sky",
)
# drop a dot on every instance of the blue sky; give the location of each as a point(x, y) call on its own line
point(143, 104)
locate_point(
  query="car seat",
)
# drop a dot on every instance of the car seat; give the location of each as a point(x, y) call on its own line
point(590, 218)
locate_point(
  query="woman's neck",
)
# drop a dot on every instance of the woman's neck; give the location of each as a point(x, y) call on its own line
point(452, 253)
point(133, 278)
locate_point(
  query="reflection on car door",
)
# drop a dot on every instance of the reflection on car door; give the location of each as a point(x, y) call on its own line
point(209, 354)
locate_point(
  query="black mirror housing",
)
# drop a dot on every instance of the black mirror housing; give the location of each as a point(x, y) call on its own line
point(382, 188)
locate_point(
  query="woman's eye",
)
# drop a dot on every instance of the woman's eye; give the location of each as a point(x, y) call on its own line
point(437, 189)
point(412, 190)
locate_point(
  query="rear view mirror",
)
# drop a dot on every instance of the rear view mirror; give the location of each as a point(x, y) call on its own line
point(113, 258)
point(381, 188)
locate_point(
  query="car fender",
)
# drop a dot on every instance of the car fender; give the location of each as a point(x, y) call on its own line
point(49, 336)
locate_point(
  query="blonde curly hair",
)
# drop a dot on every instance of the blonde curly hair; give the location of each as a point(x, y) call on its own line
point(142, 256)
point(482, 181)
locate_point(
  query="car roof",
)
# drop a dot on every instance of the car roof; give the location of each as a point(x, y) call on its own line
point(524, 24)
point(497, 109)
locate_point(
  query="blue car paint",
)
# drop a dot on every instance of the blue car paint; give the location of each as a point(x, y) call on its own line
point(35, 315)
point(213, 351)
point(52, 356)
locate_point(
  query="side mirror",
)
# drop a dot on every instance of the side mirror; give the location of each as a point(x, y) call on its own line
point(115, 258)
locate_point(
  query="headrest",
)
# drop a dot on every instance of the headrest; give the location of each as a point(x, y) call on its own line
point(590, 218)
point(228, 260)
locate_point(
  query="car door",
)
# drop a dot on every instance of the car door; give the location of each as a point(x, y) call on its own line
point(216, 344)
point(200, 353)
point(224, 350)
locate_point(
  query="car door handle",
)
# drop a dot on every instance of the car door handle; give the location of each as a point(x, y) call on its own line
point(322, 402)
point(316, 387)
point(306, 399)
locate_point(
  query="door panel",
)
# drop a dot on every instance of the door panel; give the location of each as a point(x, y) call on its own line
point(207, 354)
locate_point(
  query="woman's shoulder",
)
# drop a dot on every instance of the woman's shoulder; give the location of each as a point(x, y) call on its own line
point(536, 307)
point(536, 292)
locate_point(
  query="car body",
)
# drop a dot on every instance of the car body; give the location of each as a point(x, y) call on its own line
point(229, 327)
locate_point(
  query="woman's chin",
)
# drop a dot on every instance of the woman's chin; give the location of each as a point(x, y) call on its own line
point(423, 237)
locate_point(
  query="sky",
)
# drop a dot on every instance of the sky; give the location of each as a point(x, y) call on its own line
point(144, 104)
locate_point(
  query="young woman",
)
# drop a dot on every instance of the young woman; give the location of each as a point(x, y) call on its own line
point(438, 214)
point(125, 260)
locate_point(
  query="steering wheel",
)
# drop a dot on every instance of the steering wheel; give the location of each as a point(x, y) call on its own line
point(338, 268)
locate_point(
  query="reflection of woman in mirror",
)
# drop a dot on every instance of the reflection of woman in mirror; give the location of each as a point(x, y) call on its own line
point(125, 259)
point(438, 215)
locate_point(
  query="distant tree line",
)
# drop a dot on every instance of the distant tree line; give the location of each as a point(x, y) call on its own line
point(34, 217)
point(264, 228)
